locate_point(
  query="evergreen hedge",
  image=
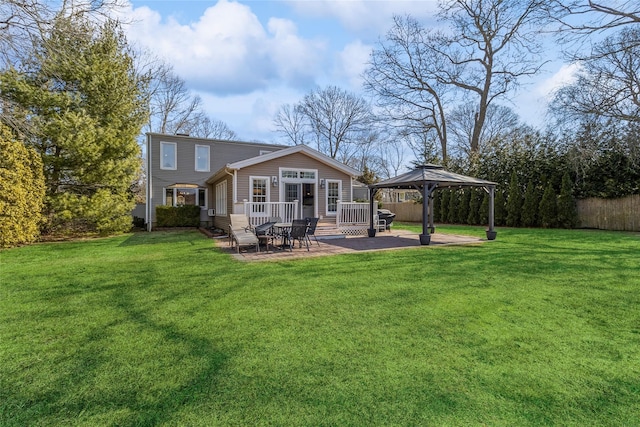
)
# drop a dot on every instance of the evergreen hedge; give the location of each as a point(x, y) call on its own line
point(178, 216)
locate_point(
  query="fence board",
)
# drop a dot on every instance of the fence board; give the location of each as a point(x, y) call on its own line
point(407, 212)
point(605, 214)
point(610, 214)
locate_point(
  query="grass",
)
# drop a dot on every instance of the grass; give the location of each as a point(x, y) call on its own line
point(540, 327)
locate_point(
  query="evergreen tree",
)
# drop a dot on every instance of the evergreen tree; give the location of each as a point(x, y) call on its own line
point(514, 201)
point(483, 216)
point(530, 206)
point(500, 208)
point(452, 213)
point(567, 212)
point(548, 208)
point(87, 107)
point(474, 207)
point(463, 207)
point(437, 206)
point(444, 205)
point(21, 191)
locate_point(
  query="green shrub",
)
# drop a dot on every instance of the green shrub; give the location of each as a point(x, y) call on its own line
point(178, 216)
point(21, 191)
point(567, 210)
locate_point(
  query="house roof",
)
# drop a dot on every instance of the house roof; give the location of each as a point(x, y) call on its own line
point(431, 174)
point(303, 149)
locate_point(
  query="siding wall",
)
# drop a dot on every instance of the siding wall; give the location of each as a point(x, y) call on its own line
point(221, 153)
point(293, 161)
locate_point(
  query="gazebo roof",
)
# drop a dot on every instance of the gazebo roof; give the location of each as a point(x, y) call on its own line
point(434, 175)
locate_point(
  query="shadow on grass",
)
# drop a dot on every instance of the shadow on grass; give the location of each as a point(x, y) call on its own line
point(118, 372)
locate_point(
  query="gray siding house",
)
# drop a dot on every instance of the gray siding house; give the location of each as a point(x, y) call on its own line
point(260, 180)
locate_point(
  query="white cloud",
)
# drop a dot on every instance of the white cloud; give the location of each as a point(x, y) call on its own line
point(227, 50)
point(351, 63)
point(372, 16)
point(565, 75)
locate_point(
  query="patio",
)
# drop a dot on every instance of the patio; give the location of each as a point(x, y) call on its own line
point(394, 240)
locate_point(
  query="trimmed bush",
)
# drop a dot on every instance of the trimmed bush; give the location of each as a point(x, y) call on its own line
point(178, 216)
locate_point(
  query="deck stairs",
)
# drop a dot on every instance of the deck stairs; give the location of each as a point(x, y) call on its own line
point(327, 229)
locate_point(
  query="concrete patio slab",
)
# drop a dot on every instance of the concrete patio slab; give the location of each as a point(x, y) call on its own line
point(394, 240)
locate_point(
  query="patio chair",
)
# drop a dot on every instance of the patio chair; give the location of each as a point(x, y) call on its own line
point(242, 233)
point(380, 224)
point(298, 232)
point(312, 223)
point(265, 233)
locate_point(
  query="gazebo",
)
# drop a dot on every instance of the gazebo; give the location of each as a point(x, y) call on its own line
point(427, 179)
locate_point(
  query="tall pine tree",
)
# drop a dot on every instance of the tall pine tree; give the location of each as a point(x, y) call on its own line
point(86, 106)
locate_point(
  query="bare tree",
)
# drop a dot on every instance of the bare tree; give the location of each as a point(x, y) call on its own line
point(174, 109)
point(290, 122)
point(204, 127)
point(607, 87)
point(489, 47)
point(337, 119)
point(499, 121)
point(492, 45)
point(392, 158)
point(402, 74)
point(23, 21)
point(586, 17)
point(608, 83)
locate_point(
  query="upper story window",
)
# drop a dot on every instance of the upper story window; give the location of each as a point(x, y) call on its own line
point(168, 155)
point(202, 158)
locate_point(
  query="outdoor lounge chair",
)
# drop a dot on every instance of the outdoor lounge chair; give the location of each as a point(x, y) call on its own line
point(241, 232)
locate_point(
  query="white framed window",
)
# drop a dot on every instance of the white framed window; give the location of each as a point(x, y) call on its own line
point(202, 158)
point(259, 191)
point(334, 189)
point(180, 196)
point(168, 155)
point(221, 198)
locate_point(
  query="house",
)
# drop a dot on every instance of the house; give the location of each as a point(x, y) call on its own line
point(260, 180)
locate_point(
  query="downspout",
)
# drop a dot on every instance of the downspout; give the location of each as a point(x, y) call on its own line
point(149, 195)
point(233, 188)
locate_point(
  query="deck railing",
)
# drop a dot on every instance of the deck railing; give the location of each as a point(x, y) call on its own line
point(352, 217)
point(260, 212)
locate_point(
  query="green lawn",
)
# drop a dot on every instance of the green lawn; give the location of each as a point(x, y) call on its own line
point(540, 327)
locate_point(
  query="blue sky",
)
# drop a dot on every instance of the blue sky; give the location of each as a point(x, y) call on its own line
point(247, 58)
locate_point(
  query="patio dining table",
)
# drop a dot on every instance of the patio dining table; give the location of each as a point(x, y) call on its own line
point(282, 229)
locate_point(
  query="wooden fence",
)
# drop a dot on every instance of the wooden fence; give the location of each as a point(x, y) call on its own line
point(605, 214)
point(610, 214)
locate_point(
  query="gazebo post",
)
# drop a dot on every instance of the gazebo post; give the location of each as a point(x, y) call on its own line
point(491, 233)
point(371, 232)
point(431, 226)
point(425, 237)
